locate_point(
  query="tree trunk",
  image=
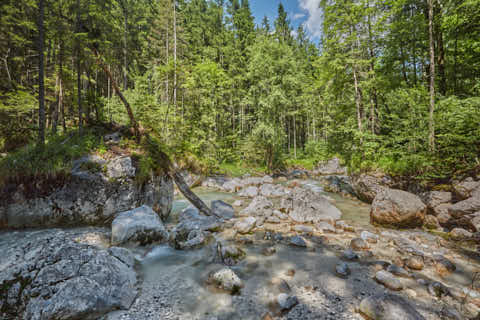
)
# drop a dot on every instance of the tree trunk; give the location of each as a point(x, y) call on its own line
point(431, 123)
point(79, 75)
point(125, 49)
point(175, 55)
point(358, 100)
point(41, 75)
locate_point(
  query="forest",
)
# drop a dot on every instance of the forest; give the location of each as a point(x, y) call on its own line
point(391, 85)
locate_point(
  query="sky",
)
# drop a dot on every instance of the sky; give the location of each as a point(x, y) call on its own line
point(299, 11)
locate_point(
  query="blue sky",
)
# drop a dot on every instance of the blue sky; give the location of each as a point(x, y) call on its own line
point(299, 11)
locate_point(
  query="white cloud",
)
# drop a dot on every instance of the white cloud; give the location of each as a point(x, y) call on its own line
point(313, 24)
point(298, 16)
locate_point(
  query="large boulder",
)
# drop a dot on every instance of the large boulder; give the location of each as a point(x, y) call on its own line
point(434, 199)
point(260, 206)
point(388, 306)
point(467, 188)
point(225, 279)
point(140, 225)
point(330, 167)
point(47, 275)
point(193, 229)
point(304, 205)
point(223, 209)
point(397, 208)
point(94, 192)
point(465, 207)
point(248, 192)
point(367, 186)
point(272, 190)
point(340, 184)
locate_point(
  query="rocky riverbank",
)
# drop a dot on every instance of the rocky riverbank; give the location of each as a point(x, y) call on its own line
point(282, 248)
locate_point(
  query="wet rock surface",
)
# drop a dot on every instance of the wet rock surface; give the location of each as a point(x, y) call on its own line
point(48, 275)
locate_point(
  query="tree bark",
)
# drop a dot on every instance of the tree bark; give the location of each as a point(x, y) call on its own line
point(79, 75)
point(431, 121)
point(175, 56)
point(41, 75)
point(125, 48)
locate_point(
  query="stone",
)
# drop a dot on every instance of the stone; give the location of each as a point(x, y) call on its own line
point(269, 251)
point(444, 218)
point(325, 227)
point(435, 198)
point(280, 215)
point(142, 225)
point(238, 203)
point(245, 225)
point(388, 306)
point(307, 206)
point(281, 285)
point(340, 184)
point(398, 271)
point(437, 289)
point(431, 222)
point(359, 244)
point(342, 225)
point(226, 279)
point(415, 263)
point(388, 280)
point(397, 208)
point(443, 266)
point(61, 278)
point(303, 228)
point(369, 237)
point(475, 221)
point(298, 241)
point(342, 269)
point(450, 314)
point(91, 196)
point(231, 254)
point(267, 179)
point(193, 229)
point(112, 138)
point(249, 192)
point(441, 209)
point(258, 206)
point(350, 255)
point(330, 167)
point(286, 302)
point(232, 186)
point(460, 234)
point(465, 207)
point(368, 186)
point(252, 181)
point(223, 209)
point(466, 188)
point(271, 190)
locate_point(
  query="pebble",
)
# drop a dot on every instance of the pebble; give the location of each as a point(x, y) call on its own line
point(342, 269)
point(286, 302)
point(415, 263)
point(388, 280)
point(359, 244)
point(298, 241)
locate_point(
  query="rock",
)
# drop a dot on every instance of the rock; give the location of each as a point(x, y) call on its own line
point(325, 227)
point(61, 278)
point(231, 254)
point(269, 251)
point(238, 203)
point(350, 255)
point(273, 219)
point(192, 230)
point(298, 241)
point(245, 225)
point(466, 188)
point(460, 234)
point(330, 167)
point(138, 225)
point(249, 192)
point(397, 208)
point(435, 198)
point(286, 302)
point(450, 314)
point(388, 306)
point(271, 190)
point(443, 266)
point(465, 207)
point(280, 215)
point(258, 206)
point(223, 209)
point(415, 263)
point(307, 206)
point(226, 279)
point(232, 186)
point(388, 280)
point(438, 289)
point(398, 271)
point(367, 186)
point(267, 179)
point(112, 138)
point(431, 222)
point(94, 193)
point(303, 228)
point(252, 181)
point(475, 221)
point(359, 244)
point(444, 218)
point(342, 225)
point(342, 269)
point(281, 285)
point(369, 237)
point(298, 174)
point(340, 184)
point(441, 209)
